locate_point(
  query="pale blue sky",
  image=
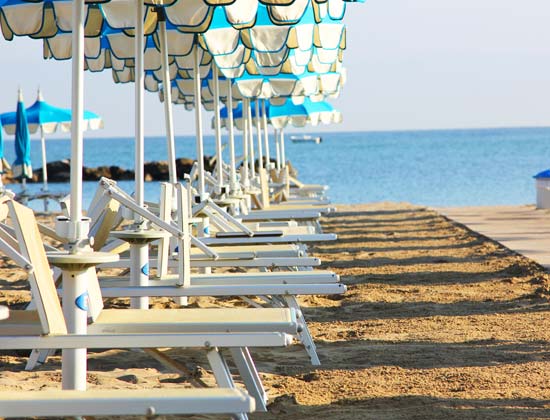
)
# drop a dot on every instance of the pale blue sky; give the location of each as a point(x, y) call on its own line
point(412, 64)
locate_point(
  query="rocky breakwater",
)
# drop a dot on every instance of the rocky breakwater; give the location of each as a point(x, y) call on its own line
point(59, 171)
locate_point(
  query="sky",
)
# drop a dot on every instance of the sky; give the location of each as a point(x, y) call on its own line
point(412, 64)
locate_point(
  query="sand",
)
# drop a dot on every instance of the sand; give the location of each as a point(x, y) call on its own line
point(438, 323)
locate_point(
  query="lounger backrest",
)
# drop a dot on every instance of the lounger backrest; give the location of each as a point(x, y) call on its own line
point(165, 213)
point(264, 185)
point(286, 181)
point(41, 280)
point(103, 223)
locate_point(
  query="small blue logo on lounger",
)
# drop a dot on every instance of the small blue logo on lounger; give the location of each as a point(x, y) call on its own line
point(145, 269)
point(81, 302)
point(206, 230)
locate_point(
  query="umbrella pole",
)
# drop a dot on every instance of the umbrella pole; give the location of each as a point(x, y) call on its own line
point(283, 154)
point(277, 149)
point(139, 253)
point(73, 367)
point(168, 115)
point(245, 180)
point(259, 134)
point(198, 122)
point(44, 168)
point(232, 163)
point(250, 136)
point(266, 136)
point(219, 157)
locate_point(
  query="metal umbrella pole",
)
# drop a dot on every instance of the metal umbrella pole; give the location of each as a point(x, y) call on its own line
point(283, 155)
point(266, 135)
point(277, 149)
point(74, 361)
point(245, 178)
point(139, 255)
point(217, 127)
point(80, 258)
point(198, 122)
point(44, 168)
point(168, 115)
point(233, 185)
point(259, 133)
point(250, 139)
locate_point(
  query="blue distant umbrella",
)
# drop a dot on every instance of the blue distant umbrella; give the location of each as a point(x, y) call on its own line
point(48, 119)
point(22, 167)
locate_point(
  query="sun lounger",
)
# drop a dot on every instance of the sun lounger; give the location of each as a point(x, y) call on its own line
point(210, 329)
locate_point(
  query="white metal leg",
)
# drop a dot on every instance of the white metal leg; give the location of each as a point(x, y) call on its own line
point(304, 335)
point(248, 373)
point(222, 374)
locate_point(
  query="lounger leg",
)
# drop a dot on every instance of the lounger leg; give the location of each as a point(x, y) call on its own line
point(38, 357)
point(251, 302)
point(222, 374)
point(304, 335)
point(249, 374)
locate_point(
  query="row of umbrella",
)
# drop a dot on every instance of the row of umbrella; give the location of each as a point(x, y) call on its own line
point(269, 51)
point(276, 37)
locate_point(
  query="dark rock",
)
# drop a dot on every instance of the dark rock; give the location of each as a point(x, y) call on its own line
point(132, 379)
point(183, 166)
point(156, 171)
point(60, 171)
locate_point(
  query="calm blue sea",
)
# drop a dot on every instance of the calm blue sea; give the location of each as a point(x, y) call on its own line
point(437, 168)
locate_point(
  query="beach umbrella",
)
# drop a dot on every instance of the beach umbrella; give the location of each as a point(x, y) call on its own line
point(47, 119)
point(22, 167)
point(299, 115)
point(44, 19)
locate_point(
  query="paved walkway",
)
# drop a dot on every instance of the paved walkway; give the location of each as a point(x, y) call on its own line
point(520, 228)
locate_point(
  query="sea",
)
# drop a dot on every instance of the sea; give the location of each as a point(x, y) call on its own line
point(466, 167)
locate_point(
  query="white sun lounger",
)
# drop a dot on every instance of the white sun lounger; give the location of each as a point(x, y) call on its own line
point(45, 328)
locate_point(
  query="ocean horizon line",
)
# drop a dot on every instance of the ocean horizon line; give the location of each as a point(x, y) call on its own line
point(296, 131)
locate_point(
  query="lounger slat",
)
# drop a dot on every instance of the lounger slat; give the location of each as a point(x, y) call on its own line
point(145, 339)
point(212, 320)
point(207, 262)
point(318, 237)
point(225, 290)
point(124, 402)
point(276, 277)
point(281, 215)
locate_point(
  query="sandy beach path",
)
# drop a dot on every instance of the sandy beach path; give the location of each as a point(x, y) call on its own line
point(438, 323)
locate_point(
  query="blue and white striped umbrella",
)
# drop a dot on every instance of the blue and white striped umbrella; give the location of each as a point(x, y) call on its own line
point(48, 119)
point(22, 167)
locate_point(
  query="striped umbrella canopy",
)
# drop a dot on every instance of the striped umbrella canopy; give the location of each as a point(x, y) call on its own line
point(299, 115)
point(48, 118)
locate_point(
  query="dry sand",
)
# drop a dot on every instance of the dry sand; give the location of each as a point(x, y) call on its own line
point(438, 323)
